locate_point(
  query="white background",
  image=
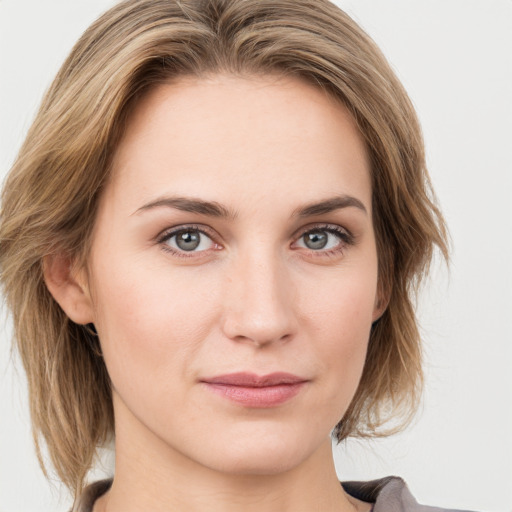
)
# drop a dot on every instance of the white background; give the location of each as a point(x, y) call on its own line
point(454, 57)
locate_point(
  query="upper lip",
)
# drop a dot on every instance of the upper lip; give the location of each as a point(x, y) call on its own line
point(251, 380)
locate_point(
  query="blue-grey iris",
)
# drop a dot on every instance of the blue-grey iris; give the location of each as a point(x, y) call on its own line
point(188, 240)
point(316, 239)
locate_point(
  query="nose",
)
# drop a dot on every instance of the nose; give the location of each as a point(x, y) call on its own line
point(260, 301)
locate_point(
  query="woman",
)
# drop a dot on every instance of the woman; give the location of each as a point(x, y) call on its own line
point(212, 236)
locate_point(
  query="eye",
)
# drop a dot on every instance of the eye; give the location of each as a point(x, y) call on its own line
point(324, 239)
point(187, 240)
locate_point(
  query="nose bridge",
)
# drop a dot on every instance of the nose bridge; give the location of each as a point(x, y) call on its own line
point(259, 298)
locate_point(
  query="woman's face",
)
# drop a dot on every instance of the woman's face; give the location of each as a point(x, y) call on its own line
point(233, 272)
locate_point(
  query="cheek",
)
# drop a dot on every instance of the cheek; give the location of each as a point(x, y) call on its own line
point(342, 302)
point(341, 319)
point(151, 321)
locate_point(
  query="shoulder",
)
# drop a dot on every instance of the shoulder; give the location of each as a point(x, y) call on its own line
point(389, 494)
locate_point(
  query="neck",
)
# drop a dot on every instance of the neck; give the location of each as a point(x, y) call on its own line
point(148, 481)
point(152, 475)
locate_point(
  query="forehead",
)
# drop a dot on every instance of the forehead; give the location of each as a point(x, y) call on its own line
point(223, 135)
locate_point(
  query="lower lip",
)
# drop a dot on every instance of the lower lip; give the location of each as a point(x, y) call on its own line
point(257, 397)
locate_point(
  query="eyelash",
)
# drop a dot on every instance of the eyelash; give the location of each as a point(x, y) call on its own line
point(345, 237)
point(167, 235)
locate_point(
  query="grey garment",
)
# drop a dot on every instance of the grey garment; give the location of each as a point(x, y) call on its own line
point(388, 495)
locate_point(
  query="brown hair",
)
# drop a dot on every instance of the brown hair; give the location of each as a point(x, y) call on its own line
point(51, 195)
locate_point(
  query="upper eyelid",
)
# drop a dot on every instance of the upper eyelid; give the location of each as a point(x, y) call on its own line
point(336, 228)
point(168, 232)
point(212, 233)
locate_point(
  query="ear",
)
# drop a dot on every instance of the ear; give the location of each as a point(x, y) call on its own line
point(68, 287)
point(382, 298)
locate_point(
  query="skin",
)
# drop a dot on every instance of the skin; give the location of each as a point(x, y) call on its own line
point(254, 296)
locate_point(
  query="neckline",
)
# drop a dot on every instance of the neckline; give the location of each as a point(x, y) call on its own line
point(364, 491)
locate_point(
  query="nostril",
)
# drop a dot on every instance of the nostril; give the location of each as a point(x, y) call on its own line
point(259, 332)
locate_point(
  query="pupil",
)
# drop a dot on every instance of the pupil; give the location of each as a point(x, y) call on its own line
point(188, 240)
point(316, 240)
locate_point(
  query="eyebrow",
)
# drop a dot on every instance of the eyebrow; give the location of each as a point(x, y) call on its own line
point(215, 209)
point(191, 205)
point(328, 206)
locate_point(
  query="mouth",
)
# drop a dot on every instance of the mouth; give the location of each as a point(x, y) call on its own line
point(251, 390)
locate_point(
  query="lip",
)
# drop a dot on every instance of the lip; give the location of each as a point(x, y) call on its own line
point(257, 391)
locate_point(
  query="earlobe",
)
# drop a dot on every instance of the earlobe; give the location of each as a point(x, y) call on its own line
point(68, 287)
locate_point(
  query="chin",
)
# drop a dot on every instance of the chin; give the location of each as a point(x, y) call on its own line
point(261, 454)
